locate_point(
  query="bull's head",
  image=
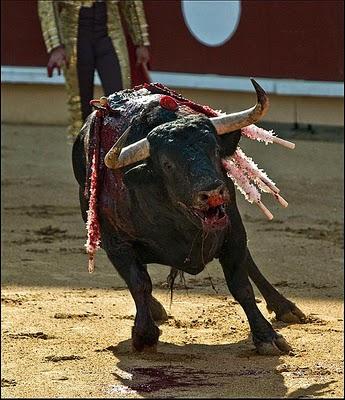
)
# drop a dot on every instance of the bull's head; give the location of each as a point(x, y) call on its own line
point(186, 153)
point(120, 156)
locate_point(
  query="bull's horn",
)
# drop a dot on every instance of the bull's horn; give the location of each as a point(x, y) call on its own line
point(119, 156)
point(232, 122)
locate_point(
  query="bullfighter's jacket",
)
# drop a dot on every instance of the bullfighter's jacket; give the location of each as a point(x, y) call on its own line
point(59, 22)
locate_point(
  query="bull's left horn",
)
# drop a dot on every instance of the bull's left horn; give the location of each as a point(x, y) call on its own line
point(119, 156)
point(232, 122)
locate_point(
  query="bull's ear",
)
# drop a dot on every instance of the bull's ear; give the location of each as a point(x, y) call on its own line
point(139, 175)
point(228, 143)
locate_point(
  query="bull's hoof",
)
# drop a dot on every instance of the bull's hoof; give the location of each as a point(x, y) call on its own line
point(276, 347)
point(288, 312)
point(146, 349)
point(157, 310)
point(145, 342)
point(295, 316)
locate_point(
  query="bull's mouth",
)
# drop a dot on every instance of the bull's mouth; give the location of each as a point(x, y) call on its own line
point(211, 218)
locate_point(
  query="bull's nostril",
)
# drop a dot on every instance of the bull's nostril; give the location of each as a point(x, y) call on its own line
point(203, 197)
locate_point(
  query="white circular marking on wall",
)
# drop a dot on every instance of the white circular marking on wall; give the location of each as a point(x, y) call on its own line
point(211, 22)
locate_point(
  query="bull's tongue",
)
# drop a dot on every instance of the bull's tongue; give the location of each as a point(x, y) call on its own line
point(212, 215)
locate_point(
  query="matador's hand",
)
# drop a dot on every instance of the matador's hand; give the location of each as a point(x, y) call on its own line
point(143, 55)
point(57, 59)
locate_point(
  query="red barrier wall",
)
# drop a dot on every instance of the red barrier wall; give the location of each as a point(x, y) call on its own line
point(274, 39)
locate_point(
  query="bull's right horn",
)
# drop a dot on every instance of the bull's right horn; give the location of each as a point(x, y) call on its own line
point(232, 122)
point(119, 156)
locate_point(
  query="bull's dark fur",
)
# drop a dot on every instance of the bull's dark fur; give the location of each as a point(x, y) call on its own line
point(142, 220)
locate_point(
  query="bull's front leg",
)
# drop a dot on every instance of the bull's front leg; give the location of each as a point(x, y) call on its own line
point(145, 333)
point(234, 263)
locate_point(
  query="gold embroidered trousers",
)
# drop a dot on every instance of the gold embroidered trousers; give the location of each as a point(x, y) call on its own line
point(60, 26)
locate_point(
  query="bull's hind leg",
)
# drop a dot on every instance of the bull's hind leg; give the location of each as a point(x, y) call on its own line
point(284, 309)
point(157, 310)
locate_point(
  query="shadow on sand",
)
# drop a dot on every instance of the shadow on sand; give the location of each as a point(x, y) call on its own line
point(179, 371)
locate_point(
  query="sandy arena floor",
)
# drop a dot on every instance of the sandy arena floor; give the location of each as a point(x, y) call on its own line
point(65, 333)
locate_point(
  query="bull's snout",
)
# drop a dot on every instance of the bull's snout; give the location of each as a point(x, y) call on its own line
point(216, 195)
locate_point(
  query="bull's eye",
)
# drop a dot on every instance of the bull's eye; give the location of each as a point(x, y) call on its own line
point(167, 165)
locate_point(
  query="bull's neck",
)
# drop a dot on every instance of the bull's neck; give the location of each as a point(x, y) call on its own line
point(174, 239)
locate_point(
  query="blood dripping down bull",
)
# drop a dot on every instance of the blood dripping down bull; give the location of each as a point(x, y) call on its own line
point(157, 175)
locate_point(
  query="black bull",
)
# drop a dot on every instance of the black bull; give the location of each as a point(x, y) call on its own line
point(176, 207)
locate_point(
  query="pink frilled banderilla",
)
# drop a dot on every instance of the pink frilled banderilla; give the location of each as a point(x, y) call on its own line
point(92, 224)
point(241, 169)
point(246, 175)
